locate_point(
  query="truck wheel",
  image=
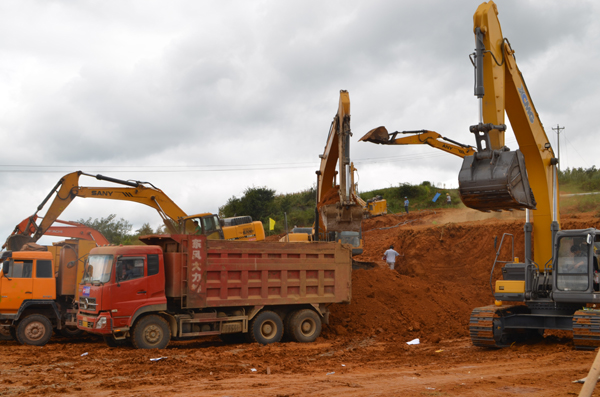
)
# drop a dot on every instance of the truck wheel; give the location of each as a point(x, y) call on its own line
point(70, 332)
point(35, 330)
point(305, 326)
point(266, 328)
point(5, 333)
point(112, 342)
point(151, 332)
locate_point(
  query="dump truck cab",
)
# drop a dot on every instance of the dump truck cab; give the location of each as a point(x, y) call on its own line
point(118, 285)
point(27, 296)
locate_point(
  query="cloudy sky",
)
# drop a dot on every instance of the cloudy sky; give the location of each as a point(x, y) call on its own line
point(206, 98)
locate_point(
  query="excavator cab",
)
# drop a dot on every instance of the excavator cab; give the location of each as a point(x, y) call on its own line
point(206, 224)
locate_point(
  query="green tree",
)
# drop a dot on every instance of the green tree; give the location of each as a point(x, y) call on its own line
point(116, 232)
point(256, 202)
point(144, 230)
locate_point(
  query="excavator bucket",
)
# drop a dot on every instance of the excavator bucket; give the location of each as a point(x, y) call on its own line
point(377, 135)
point(339, 218)
point(17, 241)
point(495, 182)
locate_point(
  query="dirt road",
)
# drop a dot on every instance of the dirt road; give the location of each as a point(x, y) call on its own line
point(443, 274)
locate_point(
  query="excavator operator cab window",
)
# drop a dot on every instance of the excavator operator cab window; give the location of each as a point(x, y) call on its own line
point(572, 264)
point(347, 237)
point(210, 223)
point(212, 227)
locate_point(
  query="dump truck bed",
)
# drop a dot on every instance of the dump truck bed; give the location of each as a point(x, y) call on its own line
point(213, 273)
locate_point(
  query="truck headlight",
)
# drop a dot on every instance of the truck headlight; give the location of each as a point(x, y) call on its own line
point(101, 323)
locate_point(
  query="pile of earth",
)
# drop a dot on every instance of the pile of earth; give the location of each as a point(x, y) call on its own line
point(442, 274)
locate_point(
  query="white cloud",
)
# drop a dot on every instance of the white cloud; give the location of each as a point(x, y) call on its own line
point(131, 88)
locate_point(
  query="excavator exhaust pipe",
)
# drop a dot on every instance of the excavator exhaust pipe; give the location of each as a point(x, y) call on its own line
point(495, 181)
point(378, 135)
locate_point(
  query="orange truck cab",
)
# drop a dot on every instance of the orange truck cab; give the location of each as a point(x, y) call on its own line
point(189, 286)
point(37, 292)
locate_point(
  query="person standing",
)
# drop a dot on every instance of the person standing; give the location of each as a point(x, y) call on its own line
point(390, 257)
point(406, 204)
point(448, 199)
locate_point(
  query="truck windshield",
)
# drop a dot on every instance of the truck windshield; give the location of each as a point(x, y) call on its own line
point(98, 269)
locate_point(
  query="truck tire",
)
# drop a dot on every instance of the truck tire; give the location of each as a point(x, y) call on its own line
point(5, 333)
point(265, 328)
point(35, 330)
point(151, 332)
point(70, 332)
point(304, 326)
point(112, 342)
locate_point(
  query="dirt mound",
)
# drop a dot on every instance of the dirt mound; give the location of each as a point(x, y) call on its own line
point(442, 274)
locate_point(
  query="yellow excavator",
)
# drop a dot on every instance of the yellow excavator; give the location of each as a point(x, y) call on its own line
point(375, 206)
point(554, 287)
point(338, 214)
point(174, 218)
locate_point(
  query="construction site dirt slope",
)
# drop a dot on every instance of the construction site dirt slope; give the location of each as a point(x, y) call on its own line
point(442, 274)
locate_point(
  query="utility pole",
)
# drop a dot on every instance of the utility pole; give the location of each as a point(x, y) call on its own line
point(557, 129)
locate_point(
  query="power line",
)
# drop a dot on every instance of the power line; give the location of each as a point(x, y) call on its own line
point(28, 168)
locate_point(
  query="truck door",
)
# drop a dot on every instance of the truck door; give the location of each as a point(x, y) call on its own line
point(17, 286)
point(130, 290)
point(44, 284)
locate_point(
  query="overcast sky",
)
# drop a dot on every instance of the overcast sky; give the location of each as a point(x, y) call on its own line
point(206, 98)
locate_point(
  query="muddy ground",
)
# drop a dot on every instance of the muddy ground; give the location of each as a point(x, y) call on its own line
point(442, 275)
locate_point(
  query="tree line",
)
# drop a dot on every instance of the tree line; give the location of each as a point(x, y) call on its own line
point(262, 204)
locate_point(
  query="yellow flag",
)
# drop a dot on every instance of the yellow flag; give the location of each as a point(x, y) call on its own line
point(271, 224)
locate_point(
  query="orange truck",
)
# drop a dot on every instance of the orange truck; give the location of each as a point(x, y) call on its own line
point(180, 286)
point(38, 291)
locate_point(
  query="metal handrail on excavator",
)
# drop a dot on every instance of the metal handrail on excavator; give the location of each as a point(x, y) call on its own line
point(512, 257)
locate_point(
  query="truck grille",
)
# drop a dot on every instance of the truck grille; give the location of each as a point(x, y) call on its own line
point(87, 304)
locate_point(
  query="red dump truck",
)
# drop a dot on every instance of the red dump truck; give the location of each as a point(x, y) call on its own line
point(180, 286)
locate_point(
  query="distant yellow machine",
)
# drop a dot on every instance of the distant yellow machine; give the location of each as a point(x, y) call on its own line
point(372, 207)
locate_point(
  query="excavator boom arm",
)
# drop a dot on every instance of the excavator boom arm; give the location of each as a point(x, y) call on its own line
point(501, 89)
point(68, 188)
point(336, 204)
point(381, 136)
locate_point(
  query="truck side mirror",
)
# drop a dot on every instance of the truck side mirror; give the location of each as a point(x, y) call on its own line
point(5, 267)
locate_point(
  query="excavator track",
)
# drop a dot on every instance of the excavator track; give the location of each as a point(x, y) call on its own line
point(486, 329)
point(481, 326)
point(586, 329)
